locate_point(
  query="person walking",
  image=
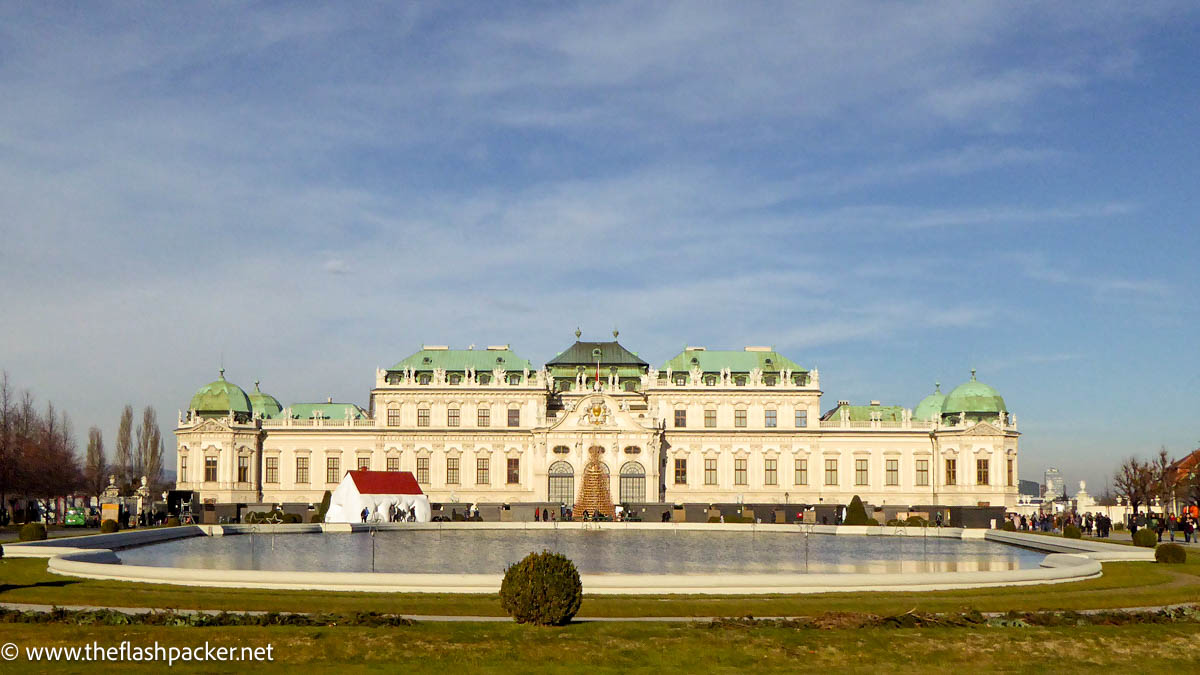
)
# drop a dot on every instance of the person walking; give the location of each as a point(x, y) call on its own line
point(365, 511)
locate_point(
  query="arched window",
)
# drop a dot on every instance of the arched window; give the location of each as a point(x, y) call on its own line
point(633, 483)
point(562, 450)
point(561, 483)
point(455, 378)
point(483, 378)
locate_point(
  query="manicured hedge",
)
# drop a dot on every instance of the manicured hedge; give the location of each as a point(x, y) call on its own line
point(1072, 532)
point(1145, 537)
point(856, 513)
point(543, 589)
point(1172, 554)
point(32, 532)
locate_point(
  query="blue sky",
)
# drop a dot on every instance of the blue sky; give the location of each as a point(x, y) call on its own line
point(892, 193)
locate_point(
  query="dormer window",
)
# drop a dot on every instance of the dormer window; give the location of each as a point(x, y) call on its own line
point(514, 379)
point(455, 378)
point(710, 380)
point(769, 381)
point(423, 379)
point(426, 360)
point(680, 380)
point(483, 378)
point(740, 380)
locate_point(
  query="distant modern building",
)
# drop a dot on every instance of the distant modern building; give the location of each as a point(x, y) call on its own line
point(708, 426)
point(1029, 488)
point(1055, 485)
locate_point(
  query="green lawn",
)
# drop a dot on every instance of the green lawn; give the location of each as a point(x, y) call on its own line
point(509, 648)
point(1124, 584)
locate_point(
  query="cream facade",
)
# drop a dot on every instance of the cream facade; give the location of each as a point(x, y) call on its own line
point(740, 426)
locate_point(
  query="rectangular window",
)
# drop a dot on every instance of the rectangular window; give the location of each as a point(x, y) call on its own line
point(483, 417)
point(769, 419)
point(923, 472)
point(210, 469)
point(452, 417)
point(272, 470)
point(680, 419)
point(770, 473)
point(302, 470)
point(393, 463)
point(892, 472)
point(951, 471)
point(801, 419)
point(739, 418)
point(422, 417)
point(1010, 473)
point(333, 471)
point(739, 472)
point(514, 417)
point(710, 419)
point(860, 472)
point(681, 471)
point(364, 464)
point(514, 470)
point(981, 472)
point(831, 477)
point(423, 470)
point(183, 469)
point(482, 472)
point(393, 417)
point(451, 471)
point(243, 469)
point(802, 472)
point(710, 471)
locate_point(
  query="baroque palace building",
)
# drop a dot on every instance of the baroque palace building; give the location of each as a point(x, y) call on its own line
point(482, 426)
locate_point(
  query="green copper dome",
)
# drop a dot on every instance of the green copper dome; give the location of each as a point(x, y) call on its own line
point(973, 397)
point(220, 397)
point(930, 407)
point(264, 404)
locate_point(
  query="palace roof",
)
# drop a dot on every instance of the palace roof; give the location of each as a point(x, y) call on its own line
point(482, 360)
point(330, 411)
point(862, 413)
point(715, 360)
point(583, 354)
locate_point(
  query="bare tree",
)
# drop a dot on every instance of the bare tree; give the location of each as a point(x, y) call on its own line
point(150, 449)
point(122, 462)
point(8, 445)
point(96, 466)
point(1165, 479)
point(1135, 481)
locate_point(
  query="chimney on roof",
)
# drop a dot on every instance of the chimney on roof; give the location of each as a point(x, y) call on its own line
point(842, 403)
point(329, 399)
point(875, 403)
point(497, 348)
point(694, 349)
point(758, 349)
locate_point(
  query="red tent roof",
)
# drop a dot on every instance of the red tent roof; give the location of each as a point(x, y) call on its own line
point(385, 482)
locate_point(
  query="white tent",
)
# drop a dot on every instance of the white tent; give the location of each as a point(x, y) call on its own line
point(378, 492)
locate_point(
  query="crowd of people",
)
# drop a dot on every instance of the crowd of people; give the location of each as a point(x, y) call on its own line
point(1100, 525)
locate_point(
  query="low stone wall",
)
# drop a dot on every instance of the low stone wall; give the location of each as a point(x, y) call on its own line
point(1068, 560)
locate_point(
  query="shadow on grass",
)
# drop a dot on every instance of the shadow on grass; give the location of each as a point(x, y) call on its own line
point(41, 584)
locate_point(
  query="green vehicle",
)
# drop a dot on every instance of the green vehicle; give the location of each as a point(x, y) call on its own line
point(75, 517)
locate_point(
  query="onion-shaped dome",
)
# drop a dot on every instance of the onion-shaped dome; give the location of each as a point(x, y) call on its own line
point(264, 404)
point(974, 398)
point(219, 398)
point(930, 407)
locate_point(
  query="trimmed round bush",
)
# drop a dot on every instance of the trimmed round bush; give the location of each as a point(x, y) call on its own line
point(1118, 526)
point(543, 589)
point(1172, 554)
point(292, 518)
point(1072, 532)
point(173, 522)
point(32, 532)
point(109, 526)
point(1008, 526)
point(916, 521)
point(1145, 537)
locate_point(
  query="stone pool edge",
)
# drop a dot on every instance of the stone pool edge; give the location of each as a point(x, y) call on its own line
point(92, 557)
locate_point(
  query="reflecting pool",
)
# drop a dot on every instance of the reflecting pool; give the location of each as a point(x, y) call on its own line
point(594, 552)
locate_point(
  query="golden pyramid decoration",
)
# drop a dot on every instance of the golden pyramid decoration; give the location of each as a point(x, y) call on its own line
point(594, 496)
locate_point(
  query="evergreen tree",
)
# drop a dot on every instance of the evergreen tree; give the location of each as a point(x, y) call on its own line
point(96, 464)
